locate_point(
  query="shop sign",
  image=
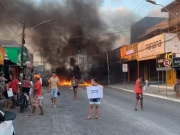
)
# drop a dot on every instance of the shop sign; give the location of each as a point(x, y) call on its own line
point(148, 49)
point(176, 62)
point(1, 55)
point(123, 51)
point(125, 67)
point(130, 52)
point(164, 61)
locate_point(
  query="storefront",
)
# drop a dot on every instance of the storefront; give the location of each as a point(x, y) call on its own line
point(1, 58)
point(128, 55)
point(176, 66)
point(149, 49)
point(12, 60)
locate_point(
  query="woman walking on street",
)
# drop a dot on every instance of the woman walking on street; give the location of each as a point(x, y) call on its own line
point(74, 83)
point(177, 87)
point(95, 101)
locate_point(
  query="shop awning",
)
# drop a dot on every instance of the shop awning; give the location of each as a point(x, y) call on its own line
point(13, 54)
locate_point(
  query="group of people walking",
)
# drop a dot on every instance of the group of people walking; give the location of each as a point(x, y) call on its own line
point(6, 84)
point(34, 88)
point(35, 92)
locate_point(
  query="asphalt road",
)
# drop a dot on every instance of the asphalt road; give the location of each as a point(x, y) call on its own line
point(117, 116)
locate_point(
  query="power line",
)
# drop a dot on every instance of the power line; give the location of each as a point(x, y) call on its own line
point(10, 13)
point(7, 24)
point(129, 13)
point(15, 33)
point(105, 33)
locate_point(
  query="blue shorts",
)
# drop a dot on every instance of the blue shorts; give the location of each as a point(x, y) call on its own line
point(95, 101)
point(54, 93)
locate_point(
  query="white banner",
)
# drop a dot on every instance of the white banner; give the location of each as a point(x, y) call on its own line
point(95, 92)
point(148, 49)
point(10, 92)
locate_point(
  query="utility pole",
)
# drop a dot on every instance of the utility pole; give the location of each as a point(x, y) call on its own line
point(23, 42)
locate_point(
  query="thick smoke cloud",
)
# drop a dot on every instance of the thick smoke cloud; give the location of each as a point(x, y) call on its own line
point(76, 25)
point(120, 19)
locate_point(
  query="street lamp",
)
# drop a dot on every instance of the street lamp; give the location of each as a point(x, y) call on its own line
point(23, 35)
point(154, 3)
point(41, 23)
point(108, 66)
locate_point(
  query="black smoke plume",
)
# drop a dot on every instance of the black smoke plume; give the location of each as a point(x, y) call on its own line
point(76, 26)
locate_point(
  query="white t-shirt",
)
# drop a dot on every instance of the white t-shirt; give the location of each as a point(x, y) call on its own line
point(40, 80)
point(31, 89)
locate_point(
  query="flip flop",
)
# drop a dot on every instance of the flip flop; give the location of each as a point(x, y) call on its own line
point(135, 109)
point(97, 118)
point(88, 118)
point(41, 114)
point(31, 114)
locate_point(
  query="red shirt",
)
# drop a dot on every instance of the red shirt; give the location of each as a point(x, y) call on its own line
point(38, 86)
point(14, 85)
point(26, 84)
point(137, 88)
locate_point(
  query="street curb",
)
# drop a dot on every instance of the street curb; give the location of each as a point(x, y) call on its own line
point(151, 95)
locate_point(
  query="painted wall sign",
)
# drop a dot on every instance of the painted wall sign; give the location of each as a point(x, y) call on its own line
point(164, 61)
point(148, 49)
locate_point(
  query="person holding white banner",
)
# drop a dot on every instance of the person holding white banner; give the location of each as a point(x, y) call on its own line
point(94, 101)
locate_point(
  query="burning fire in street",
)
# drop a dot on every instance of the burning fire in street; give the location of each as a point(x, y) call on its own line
point(68, 83)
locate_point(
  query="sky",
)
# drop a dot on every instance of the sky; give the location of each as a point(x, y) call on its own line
point(140, 7)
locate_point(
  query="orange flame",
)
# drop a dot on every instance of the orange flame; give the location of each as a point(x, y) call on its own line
point(68, 83)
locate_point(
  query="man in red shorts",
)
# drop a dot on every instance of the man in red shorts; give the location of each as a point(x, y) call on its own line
point(38, 93)
point(139, 93)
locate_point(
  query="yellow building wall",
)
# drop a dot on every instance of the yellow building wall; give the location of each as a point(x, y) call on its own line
point(171, 77)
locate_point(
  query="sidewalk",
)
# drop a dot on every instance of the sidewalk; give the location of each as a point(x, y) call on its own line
point(150, 91)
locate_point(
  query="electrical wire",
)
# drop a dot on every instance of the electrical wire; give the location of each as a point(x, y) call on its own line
point(15, 33)
point(7, 25)
point(105, 33)
point(129, 14)
point(10, 13)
